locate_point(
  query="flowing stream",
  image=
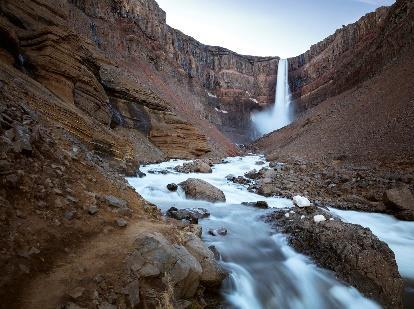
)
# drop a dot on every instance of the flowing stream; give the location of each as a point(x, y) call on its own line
point(264, 271)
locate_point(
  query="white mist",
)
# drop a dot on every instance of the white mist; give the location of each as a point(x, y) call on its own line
point(280, 114)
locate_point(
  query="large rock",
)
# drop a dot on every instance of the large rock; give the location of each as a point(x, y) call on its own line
point(400, 202)
point(213, 274)
point(190, 214)
point(199, 189)
point(155, 256)
point(355, 254)
point(113, 201)
point(196, 166)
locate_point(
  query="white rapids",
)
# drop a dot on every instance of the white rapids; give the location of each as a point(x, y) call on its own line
point(265, 272)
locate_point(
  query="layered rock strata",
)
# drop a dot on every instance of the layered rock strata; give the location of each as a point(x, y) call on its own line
point(352, 54)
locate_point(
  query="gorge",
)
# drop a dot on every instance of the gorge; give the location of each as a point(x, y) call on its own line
point(133, 176)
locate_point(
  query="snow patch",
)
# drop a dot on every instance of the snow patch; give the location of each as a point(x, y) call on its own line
point(301, 201)
point(211, 95)
point(254, 100)
point(221, 111)
point(319, 218)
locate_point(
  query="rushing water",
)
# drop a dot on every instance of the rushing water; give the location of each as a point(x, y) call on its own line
point(280, 114)
point(264, 271)
point(399, 235)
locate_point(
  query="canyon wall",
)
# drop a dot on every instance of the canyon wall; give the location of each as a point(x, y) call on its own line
point(220, 85)
point(355, 94)
point(353, 54)
point(133, 78)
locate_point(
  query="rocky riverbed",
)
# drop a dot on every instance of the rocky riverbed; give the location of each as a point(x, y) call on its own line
point(338, 184)
point(269, 268)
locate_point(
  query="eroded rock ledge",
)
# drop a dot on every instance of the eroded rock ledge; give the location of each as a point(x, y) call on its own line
point(356, 255)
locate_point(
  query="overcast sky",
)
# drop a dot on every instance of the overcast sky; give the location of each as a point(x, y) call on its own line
point(264, 27)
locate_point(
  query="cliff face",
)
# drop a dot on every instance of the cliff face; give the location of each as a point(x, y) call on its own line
point(351, 55)
point(102, 96)
point(355, 91)
point(205, 78)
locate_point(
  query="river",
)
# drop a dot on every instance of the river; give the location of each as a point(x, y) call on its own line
point(265, 272)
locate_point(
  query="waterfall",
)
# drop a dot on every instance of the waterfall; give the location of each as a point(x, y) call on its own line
point(280, 114)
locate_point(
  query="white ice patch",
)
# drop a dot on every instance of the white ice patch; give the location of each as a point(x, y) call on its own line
point(319, 218)
point(211, 95)
point(221, 111)
point(254, 100)
point(301, 201)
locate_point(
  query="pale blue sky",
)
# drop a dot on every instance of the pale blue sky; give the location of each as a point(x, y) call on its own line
point(264, 27)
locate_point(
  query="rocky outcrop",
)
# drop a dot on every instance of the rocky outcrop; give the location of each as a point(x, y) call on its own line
point(212, 273)
point(199, 189)
point(93, 82)
point(182, 268)
point(197, 166)
point(339, 184)
point(355, 254)
point(137, 108)
point(221, 85)
point(191, 214)
point(354, 53)
point(401, 202)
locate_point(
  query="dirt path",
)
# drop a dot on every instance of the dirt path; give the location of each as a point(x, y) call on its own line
point(102, 256)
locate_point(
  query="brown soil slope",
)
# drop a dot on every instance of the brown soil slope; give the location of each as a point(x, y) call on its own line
point(372, 122)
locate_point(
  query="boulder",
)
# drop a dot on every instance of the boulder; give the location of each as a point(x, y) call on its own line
point(155, 257)
point(132, 290)
point(172, 187)
point(213, 274)
point(400, 202)
point(22, 139)
point(241, 180)
point(190, 214)
point(113, 201)
point(121, 222)
point(258, 204)
point(197, 166)
point(356, 255)
point(199, 189)
point(216, 232)
point(253, 174)
point(399, 199)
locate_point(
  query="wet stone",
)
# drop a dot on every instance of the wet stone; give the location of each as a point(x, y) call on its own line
point(172, 187)
point(218, 232)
